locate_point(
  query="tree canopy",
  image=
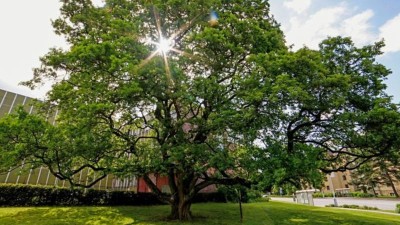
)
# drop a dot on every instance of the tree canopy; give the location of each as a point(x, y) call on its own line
point(226, 102)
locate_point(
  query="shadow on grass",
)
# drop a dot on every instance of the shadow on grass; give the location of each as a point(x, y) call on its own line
point(71, 215)
point(210, 214)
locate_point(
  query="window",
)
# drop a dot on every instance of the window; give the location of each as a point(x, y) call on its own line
point(346, 186)
point(328, 188)
point(344, 177)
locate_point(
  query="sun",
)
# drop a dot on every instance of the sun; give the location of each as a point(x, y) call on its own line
point(164, 45)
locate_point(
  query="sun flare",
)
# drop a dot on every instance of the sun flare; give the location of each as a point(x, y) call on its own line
point(164, 45)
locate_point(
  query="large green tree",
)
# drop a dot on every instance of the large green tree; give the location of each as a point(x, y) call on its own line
point(129, 106)
point(202, 92)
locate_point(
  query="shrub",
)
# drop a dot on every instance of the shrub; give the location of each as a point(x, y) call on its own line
point(322, 195)
point(351, 194)
point(361, 195)
point(369, 207)
point(397, 208)
point(349, 206)
point(340, 194)
point(354, 207)
point(232, 194)
point(31, 195)
point(253, 195)
point(209, 197)
point(262, 199)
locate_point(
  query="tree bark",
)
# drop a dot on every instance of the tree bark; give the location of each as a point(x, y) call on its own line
point(373, 189)
point(180, 210)
point(392, 184)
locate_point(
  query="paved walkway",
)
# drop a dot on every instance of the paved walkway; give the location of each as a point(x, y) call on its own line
point(383, 204)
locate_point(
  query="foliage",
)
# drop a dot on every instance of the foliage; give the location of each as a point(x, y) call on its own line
point(129, 109)
point(262, 199)
point(30, 195)
point(361, 195)
point(210, 213)
point(350, 194)
point(231, 106)
point(354, 207)
point(209, 197)
point(333, 112)
point(397, 208)
point(321, 195)
point(255, 196)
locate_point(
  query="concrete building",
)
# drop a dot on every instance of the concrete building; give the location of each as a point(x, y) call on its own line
point(340, 182)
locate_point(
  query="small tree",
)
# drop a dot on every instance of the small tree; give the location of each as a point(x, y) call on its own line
point(376, 172)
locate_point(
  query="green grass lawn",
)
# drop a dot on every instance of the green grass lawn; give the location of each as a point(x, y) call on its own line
point(208, 214)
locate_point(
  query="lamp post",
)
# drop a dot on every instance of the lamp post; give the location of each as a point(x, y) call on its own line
point(333, 189)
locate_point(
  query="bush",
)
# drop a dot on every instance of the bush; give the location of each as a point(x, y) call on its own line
point(31, 195)
point(350, 206)
point(354, 207)
point(361, 195)
point(397, 208)
point(340, 194)
point(322, 195)
point(253, 195)
point(262, 199)
point(351, 194)
point(209, 197)
point(231, 194)
point(369, 208)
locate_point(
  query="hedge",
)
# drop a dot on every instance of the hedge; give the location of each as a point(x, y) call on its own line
point(350, 194)
point(32, 195)
point(353, 207)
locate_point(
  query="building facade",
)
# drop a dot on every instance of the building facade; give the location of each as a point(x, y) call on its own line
point(341, 183)
point(338, 182)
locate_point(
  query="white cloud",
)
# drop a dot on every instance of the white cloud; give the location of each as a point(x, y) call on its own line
point(298, 6)
point(314, 28)
point(98, 3)
point(390, 31)
point(358, 28)
point(310, 30)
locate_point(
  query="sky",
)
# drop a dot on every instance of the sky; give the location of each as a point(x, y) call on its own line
point(26, 33)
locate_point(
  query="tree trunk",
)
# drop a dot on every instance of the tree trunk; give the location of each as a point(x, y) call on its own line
point(180, 210)
point(392, 184)
point(182, 194)
point(373, 189)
